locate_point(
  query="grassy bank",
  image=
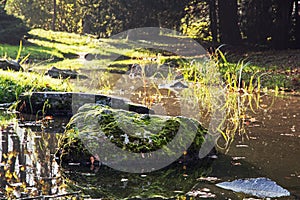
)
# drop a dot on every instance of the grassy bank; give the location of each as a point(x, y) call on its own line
point(63, 50)
point(12, 84)
point(277, 67)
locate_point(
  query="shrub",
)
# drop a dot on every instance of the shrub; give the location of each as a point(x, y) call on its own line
point(12, 29)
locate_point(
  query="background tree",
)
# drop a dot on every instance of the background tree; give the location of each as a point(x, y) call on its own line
point(256, 30)
point(282, 23)
point(296, 26)
point(228, 22)
point(12, 29)
point(196, 21)
point(54, 15)
point(267, 23)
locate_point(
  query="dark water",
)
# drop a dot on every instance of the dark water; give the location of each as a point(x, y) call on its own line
point(271, 149)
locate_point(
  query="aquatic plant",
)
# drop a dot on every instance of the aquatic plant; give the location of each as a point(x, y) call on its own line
point(241, 93)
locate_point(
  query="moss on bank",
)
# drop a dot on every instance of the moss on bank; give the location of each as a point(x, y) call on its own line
point(12, 84)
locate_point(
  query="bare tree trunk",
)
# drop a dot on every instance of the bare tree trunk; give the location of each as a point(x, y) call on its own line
point(283, 24)
point(297, 24)
point(54, 15)
point(228, 22)
point(213, 19)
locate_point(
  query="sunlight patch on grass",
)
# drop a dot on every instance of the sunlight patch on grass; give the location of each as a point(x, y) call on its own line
point(12, 84)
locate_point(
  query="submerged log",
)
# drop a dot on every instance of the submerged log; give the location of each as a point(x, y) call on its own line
point(128, 141)
point(67, 103)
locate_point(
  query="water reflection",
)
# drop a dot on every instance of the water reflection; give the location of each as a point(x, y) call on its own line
point(272, 150)
point(28, 167)
point(174, 180)
point(272, 147)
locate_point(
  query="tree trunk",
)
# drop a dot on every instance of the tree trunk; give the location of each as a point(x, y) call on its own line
point(228, 22)
point(86, 23)
point(54, 15)
point(259, 30)
point(283, 22)
point(213, 19)
point(297, 24)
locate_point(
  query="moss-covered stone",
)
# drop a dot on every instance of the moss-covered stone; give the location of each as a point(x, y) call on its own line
point(118, 135)
point(67, 103)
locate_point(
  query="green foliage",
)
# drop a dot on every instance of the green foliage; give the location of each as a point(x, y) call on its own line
point(12, 29)
point(227, 22)
point(35, 13)
point(6, 118)
point(196, 22)
point(102, 18)
point(241, 86)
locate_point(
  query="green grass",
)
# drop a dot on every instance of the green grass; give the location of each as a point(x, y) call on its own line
point(6, 118)
point(60, 49)
point(12, 84)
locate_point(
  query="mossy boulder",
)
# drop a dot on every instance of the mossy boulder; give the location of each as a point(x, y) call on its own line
point(122, 139)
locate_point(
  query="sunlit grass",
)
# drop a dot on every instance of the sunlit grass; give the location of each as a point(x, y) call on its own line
point(12, 84)
point(241, 89)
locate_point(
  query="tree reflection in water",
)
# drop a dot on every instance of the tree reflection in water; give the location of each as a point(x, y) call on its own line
point(28, 167)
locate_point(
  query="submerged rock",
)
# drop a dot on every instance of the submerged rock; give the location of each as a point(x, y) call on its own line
point(64, 73)
point(67, 103)
point(128, 141)
point(10, 65)
point(176, 85)
point(260, 187)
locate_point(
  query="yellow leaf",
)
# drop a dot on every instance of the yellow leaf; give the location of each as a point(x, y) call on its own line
point(9, 189)
point(10, 155)
point(15, 175)
point(23, 185)
point(22, 168)
point(8, 175)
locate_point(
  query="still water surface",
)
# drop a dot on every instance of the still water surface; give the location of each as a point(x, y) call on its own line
point(271, 149)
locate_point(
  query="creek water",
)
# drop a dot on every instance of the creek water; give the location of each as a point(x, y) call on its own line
point(270, 149)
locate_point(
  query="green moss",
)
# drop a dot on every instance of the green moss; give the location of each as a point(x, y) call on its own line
point(138, 133)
